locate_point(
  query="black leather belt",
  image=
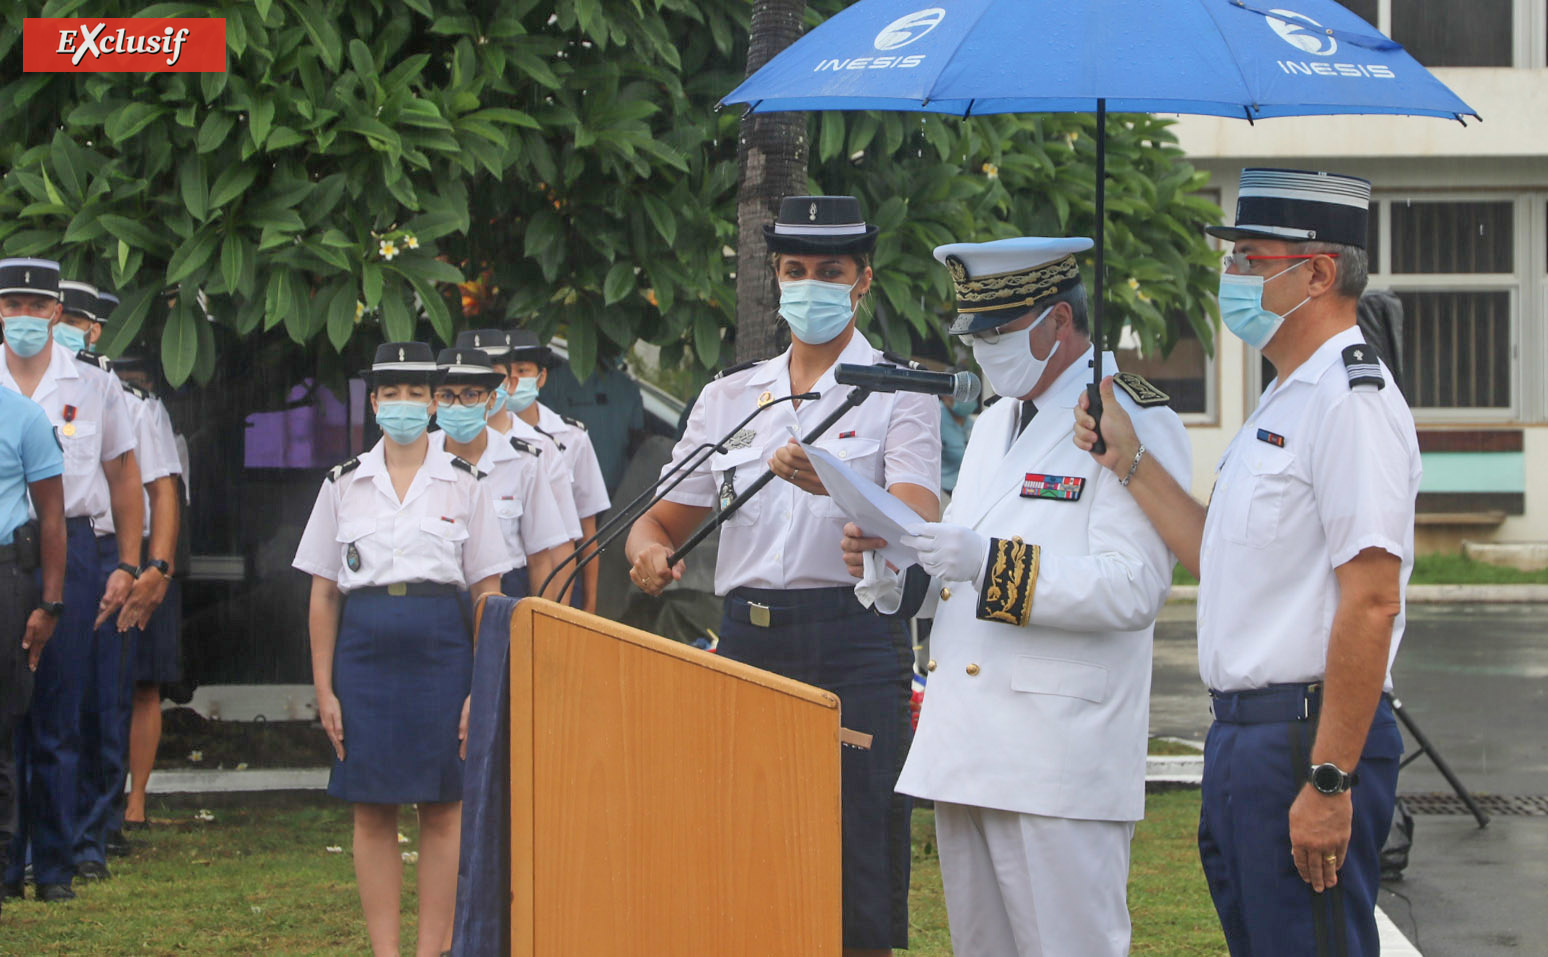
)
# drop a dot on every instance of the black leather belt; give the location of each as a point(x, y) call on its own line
point(776, 607)
point(1271, 705)
point(401, 589)
point(7, 554)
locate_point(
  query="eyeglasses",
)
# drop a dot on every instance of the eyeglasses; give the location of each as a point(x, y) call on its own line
point(1242, 262)
point(469, 396)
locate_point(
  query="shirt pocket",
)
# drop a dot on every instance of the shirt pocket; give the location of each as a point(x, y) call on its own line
point(860, 455)
point(1253, 511)
point(1057, 676)
point(443, 547)
point(83, 449)
point(734, 472)
point(508, 512)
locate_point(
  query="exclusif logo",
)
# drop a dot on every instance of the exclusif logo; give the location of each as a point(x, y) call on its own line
point(124, 45)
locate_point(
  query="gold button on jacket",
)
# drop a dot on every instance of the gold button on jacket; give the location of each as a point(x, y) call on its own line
point(972, 670)
point(931, 665)
point(945, 594)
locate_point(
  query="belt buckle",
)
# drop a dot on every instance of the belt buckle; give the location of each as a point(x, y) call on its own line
point(397, 589)
point(758, 614)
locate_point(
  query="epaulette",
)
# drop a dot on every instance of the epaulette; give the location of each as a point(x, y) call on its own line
point(739, 367)
point(904, 361)
point(343, 468)
point(522, 445)
point(136, 391)
point(574, 423)
point(95, 359)
point(1363, 366)
point(1140, 390)
point(468, 467)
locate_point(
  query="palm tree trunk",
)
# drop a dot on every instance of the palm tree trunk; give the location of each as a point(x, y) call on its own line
point(772, 157)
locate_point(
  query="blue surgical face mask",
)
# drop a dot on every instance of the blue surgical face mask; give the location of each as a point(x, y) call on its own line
point(70, 337)
point(403, 421)
point(526, 393)
point(501, 394)
point(1241, 307)
point(462, 423)
point(26, 335)
point(817, 311)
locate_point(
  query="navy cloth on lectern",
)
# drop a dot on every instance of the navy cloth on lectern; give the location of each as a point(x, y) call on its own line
point(482, 923)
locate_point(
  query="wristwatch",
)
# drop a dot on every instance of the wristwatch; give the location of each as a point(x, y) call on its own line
point(126, 567)
point(160, 565)
point(52, 608)
point(1330, 779)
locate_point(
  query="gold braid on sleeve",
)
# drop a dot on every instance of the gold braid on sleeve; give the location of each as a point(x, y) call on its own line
point(1009, 581)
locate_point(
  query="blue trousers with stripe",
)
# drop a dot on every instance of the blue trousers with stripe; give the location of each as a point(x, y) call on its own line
point(1252, 774)
point(48, 739)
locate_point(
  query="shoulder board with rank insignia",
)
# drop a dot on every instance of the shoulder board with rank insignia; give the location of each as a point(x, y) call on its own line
point(1140, 390)
point(574, 423)
point(1363, 366)
point(522, 445)
point(468, 467)
point(739, 367)
point(343, 469)
point(95, 359)
point(136, 391)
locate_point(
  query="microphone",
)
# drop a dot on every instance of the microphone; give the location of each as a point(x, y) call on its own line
point(961, 386)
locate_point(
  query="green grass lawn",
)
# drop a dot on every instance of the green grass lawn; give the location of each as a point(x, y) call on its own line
point(1438, 569)
point(258, 879)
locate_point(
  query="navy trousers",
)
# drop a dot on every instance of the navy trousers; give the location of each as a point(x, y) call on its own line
point(104, 726)
point(48, 738)
point(18, 596)
point(1252, 774)
point(517, 583)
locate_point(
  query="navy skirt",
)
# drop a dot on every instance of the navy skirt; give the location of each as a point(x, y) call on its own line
point(824, 637)
point(402, 667)
point(158, 647)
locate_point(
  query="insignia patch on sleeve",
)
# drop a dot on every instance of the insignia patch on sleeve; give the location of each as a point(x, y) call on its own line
point(1140, 390)
point(1363, 366)
point(1272, 438)
point(1010, 579)
point(343, 469)
point(1064, 487)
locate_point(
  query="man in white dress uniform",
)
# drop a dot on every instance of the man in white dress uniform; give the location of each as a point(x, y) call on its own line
point(1047, 582)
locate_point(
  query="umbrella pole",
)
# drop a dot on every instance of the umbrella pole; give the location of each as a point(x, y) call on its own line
point(1094, 391)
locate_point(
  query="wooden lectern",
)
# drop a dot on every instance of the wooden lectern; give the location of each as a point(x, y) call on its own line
point(665, 801)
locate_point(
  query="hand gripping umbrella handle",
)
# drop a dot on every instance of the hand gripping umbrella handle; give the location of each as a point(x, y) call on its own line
point(1094, 399)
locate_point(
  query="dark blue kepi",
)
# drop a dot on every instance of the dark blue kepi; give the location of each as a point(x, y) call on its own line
point(1241, 58)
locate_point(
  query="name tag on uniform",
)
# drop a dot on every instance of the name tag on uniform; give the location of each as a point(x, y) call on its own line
point(1272, 438)
point(1063, 487)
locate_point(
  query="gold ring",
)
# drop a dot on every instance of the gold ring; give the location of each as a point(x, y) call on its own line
point(1331, 858)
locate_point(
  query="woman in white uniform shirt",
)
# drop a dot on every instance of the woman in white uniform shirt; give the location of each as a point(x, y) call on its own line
point(790, 605)
point(397, 535)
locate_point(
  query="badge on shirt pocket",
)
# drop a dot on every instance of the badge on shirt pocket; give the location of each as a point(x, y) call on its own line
point(352, 557)
point(1066, 488)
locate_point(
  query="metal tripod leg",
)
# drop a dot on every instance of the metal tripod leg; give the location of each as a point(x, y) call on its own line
point(1425, 747)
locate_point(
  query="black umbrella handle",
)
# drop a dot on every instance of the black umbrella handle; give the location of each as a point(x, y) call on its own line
point(1094, 406)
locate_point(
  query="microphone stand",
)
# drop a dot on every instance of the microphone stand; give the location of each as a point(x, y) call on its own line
point(626, 516)
point(856, 396)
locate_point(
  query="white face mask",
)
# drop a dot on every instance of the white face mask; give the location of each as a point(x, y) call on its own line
point(1008, 362)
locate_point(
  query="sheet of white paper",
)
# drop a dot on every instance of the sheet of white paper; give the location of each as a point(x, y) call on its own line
point(867, 505)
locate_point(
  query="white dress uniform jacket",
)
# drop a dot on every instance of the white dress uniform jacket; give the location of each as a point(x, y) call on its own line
point(86, 406)
point(443, 531)
point(1050, 718)
point(588, 486)
point(784, 537)
point(155, 450)
point(1321, 471)
point(556, 470)
point(518, 488)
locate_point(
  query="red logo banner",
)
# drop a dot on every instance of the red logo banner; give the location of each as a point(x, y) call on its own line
point(124, 45)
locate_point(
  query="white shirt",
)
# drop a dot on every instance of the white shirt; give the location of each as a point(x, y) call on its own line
point(155, 449)
point(443, 531)
point(86, 406)
point(587, 486)
point(558, 473)
point(783, 537)
point(1321, 471)
point(518, 488)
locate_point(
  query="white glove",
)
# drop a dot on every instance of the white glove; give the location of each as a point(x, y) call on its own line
point(881, 587)
point(953, 553)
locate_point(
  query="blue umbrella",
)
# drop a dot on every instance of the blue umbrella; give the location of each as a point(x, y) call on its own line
point(1212, 57)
